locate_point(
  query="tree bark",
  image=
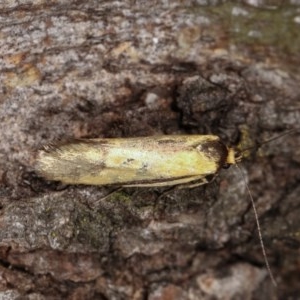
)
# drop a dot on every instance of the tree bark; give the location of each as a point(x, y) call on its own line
point(86, 69)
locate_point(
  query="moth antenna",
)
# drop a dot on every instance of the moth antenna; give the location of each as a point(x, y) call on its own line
point(262, 245)
point(258, 145)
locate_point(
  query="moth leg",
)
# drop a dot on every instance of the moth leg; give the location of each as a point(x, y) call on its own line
point(201, 181)
point(162, 183)
point(197, 181)
point(96, 203)
point(112, 192)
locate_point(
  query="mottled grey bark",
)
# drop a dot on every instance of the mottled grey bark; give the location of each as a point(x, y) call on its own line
point(83, 69)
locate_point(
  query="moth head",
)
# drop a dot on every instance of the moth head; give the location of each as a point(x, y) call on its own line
point(232, 158)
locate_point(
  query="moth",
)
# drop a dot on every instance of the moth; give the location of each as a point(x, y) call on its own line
point(156, 161)
point(142, 162)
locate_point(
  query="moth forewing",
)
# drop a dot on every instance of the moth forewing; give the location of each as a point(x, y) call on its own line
point(144, 161)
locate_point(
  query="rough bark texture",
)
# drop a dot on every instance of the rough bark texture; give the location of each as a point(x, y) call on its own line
point(82, 69)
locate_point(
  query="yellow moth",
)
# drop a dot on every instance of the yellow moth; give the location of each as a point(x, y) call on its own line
point(142, 162)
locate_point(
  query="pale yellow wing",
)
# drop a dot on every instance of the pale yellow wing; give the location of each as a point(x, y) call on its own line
point(133, 160)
